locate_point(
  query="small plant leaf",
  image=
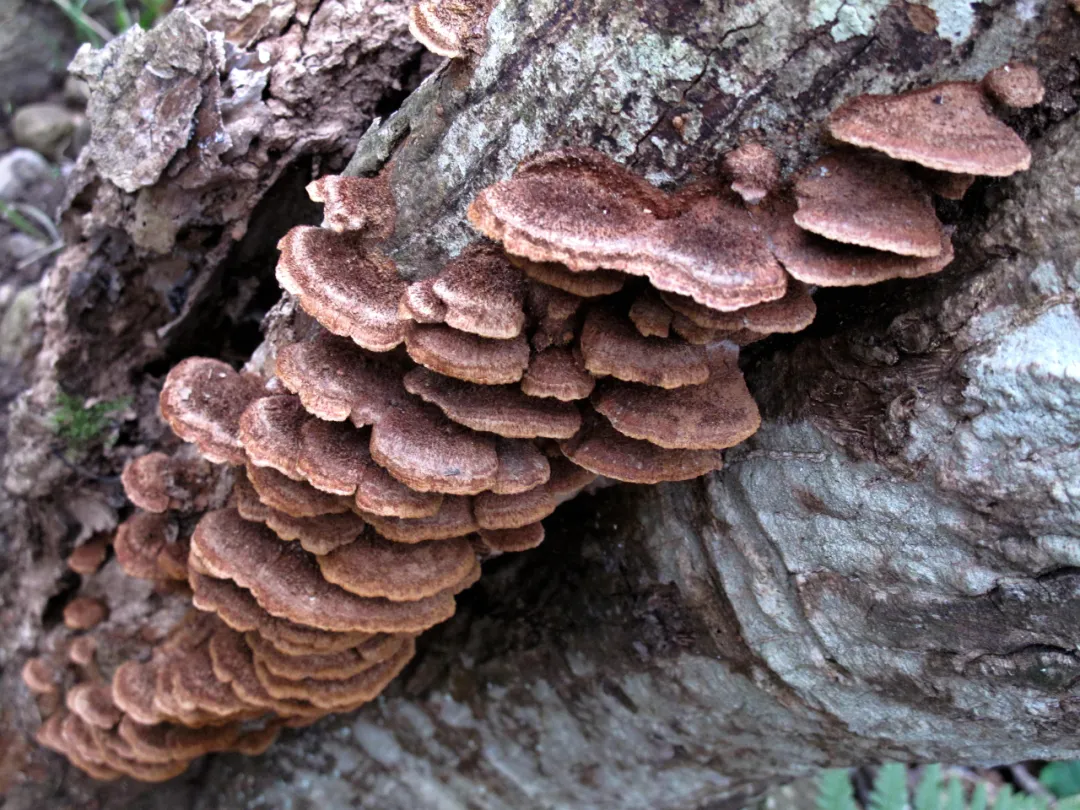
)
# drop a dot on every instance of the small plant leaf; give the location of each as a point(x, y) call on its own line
point(835, 791)
point(1061, 778)
point(928, 793)
point(978, 797)
point(890, 788)
point(1005, 799)
point(954, 795)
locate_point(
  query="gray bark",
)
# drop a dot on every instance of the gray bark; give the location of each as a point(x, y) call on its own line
point(887, 570)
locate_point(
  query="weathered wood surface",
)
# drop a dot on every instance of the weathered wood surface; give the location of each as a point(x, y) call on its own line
point(887, 570)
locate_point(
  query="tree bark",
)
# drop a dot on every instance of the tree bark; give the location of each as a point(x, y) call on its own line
point(887, 570)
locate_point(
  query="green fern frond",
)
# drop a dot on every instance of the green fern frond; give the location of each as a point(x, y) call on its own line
point(978, 797)
point(890, 790)
point(835, 791)
point(928, 793)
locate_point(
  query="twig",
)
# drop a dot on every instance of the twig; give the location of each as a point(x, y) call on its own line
point(1025, 779)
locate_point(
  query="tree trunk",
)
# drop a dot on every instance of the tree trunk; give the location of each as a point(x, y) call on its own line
point(887, 570)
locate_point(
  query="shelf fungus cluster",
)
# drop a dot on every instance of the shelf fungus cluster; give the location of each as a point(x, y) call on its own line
point(407, 431)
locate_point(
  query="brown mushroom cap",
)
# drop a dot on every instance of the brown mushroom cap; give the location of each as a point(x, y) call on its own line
point(521, 467)
point(612, 346)
point(285, 581)
point(195, 689)
point(270, 433)
point(503, 410)
point(94, 704)
point(336, 458)
point(601, 449)
point(513, 511)
point(337, 695)
point(567, 479)
point(295, 498)
point(373, 566)
point(420, 303)
point(554, 315)
point(583, 285)
point(83, 613)
point(792, 313)
point(1015, 85)
point(133, 688)
point(945, 184)
point(559, 373)
point(82, 650)
point(650, 315)
point(317, 535)
point(944, 126)
point(362, 204)
point(157, 482)
point(40, 676)
point(582, 209)
point(483, 293)
point(754, 171)
point(454, 519)
point(87, 558)
point(336, 380)
point(344, 283)
point(427, 452)
point(868, 201)
point(139, 540)
point(238, 609)
point(167, 742)
point(467, 357)
point(717, 414)
point(814, 260)
point(445, 27)
point(509, 540)
point(325, 666)
point(202, 400)
point(695, 334)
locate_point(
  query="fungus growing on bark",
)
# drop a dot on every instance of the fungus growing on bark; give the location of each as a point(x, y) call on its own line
point(521, 467)
point(868, 201)
point(506, 540)
point(359, 204)
point(559, 373)
point(82, 650)
point(584, 285)
point(450, 28)
point(754, 171)
point(84, 613)
point(87, 558)
point(454, 519)
point(945, 127)
point(295, 498)
point(93, 702)
point(1015, 85)
point(40, 676)
point(140, 540)
point(580, 208)
point(344, 283)
point(651, 316)
point(610, 345)
point(467, 357)
point(202, 400)
point(270, 433)
point(157, 482)
point(792, 313)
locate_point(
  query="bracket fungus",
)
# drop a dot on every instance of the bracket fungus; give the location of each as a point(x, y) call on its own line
point(360, 484)
point(451, 28)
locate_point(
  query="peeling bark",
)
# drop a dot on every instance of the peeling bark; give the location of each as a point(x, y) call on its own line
point(887, 569)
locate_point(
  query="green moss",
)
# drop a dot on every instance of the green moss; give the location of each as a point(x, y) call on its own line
point(82, 427)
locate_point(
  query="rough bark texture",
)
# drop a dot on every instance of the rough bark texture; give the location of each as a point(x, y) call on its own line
point(887, 570)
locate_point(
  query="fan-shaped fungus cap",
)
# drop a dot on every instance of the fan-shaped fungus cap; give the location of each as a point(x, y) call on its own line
point(792, 313)
point(420, 303)
point(362, 204)
point(482, 292)
point(467, 357)
point(270, 433)
point(454, 519)
point(202, 400)
point(318, 535)
point(286, 582)
point(612, 346)
point(754, 171)
point(814, 260)
point(601, 449)
point(427, 452)
point(87, 558)
point(554, 315)
point(449, 28)
point(1014, 85)
point(373, 566)
point(295, 498)
point(582, 209)
point(513, 511)
point(508, 540)
point(139, 540)
point(946, 184)
point(717, 414)
point(559, 373)
point(82, 650)
point(584, 285)
point(651, 315)
point(157, 482)
point(944, 126)
point(344, 283)
point(567, 479)
point(40, 676)
point(325, 666)
point(195, 688)
point(338, 695)
point(84, 612)
point(93, 702)
point(521, 467)
point(167, 742)
point(502, 410)
point(335, 380)
point(133, 689)
point(868, 201)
